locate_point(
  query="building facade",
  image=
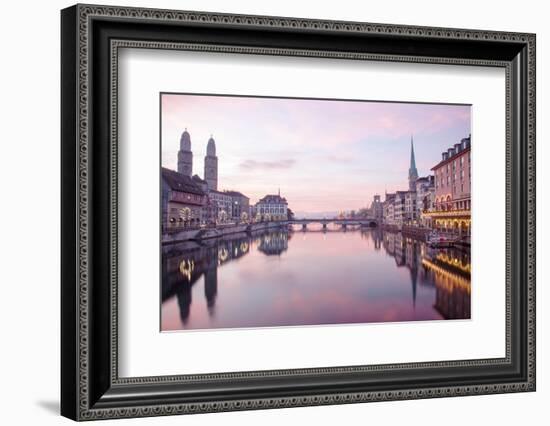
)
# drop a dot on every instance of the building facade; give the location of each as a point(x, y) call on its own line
point(451, 210)
point(410, 211)
point(377, 208)
point(388, 210)
point(240, 206)
point(405, 207)
point(222, 206)
point(425, 198)
point(272, 207)
point(182, 201)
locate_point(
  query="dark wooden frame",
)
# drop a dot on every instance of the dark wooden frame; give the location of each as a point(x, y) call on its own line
point(90, 38)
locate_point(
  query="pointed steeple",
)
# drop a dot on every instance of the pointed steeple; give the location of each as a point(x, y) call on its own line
point(413, 162)
point(413, 173)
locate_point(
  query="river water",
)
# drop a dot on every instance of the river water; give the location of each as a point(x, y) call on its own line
point(292, 278)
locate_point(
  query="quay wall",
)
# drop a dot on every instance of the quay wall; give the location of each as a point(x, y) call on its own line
point(200, 234)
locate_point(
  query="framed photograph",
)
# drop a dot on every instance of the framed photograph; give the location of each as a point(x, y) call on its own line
point(263, 212)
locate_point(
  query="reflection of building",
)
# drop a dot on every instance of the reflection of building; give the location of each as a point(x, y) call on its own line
point(451, 210)
point(272, 207)
point(211, 288)
point(448, 270)
point(183, 267)
point(411, 261)
point(394, 246)
point(452, 283)
point(374, 234)
point(232, 249)
point(274, 243)
point(182, 200)
point(451, 301)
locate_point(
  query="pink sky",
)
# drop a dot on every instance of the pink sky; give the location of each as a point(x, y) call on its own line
point(324, 155)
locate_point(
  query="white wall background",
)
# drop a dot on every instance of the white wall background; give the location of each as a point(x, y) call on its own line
point(29, 211)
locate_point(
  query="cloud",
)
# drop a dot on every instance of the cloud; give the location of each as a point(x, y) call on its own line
point(270, 165)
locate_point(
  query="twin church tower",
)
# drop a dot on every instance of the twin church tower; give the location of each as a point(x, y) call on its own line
point(185, 160)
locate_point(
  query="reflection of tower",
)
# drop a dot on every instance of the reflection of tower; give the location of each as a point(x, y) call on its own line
point(414, 279)
point(211, 165)
point(377, 237)
point(185, 156)
point(184, 302)
point(412, 263)
point(211, 287)
point(413, 173)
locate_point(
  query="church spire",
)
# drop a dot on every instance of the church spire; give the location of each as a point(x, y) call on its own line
point(413, 173)
point(413, 162)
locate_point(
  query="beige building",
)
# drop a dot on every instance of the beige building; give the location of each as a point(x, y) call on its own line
point(272, 207)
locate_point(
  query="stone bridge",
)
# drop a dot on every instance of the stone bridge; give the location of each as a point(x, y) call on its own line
point(365, 222)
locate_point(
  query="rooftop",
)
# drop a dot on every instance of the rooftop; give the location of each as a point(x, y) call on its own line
point(198, 179)
point(456, 150)
point(235, 193)
point(178, 182)
point(273, 199)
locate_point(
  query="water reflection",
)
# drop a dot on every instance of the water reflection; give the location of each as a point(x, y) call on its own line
point(273, 279)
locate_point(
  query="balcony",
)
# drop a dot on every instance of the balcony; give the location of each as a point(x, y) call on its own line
point(446, 213)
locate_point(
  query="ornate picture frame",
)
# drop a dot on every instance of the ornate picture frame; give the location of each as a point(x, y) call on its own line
point(91, 37)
